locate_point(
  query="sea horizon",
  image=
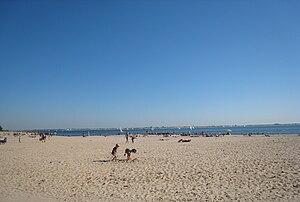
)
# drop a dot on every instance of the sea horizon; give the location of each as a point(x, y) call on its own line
point(276, 128)
point(163, 127)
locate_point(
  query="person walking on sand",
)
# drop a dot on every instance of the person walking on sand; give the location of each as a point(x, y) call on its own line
point(132, 138)
point(126, 136)
point(128, 152)
point(114, 152)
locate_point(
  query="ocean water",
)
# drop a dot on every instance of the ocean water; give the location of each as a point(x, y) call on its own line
point(237, 130)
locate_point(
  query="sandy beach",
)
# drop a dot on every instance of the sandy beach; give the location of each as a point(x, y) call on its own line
point(230, 168)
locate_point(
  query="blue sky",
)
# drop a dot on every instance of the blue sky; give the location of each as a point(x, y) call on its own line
point(140, 63)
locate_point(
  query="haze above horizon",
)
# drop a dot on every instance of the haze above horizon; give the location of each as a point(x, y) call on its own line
point(111, 64)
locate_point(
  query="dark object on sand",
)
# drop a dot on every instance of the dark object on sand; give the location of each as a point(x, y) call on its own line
point(43, 137)
point(3, 141)
point(267, 135)
point(181, 140)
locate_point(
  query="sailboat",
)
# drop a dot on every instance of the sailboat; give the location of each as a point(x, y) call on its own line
point(121, 130)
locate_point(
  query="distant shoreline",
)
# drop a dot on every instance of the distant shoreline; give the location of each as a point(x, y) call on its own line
point(164, 127)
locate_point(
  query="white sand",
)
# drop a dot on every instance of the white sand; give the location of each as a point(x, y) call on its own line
point(235, 168)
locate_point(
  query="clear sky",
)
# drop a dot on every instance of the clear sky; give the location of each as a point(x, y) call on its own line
point(135, 63)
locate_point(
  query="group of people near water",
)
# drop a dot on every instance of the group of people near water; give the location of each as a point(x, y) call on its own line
point(128, 151)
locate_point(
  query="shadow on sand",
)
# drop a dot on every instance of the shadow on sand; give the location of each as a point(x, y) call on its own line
point(118, 160)
point(101, 161)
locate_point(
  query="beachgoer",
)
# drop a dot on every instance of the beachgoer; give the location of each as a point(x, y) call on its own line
point(3, 141)
point(42, 137)
point(128, 152)
point(114, 152)
point(132, 138)
point(126, 136)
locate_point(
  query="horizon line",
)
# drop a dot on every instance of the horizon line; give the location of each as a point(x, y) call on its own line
point(145, 127)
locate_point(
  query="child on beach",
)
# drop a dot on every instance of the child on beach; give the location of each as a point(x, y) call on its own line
point(114, 152)
point(128, 152)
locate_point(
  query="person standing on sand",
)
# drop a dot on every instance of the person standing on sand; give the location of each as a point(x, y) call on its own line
point(132, 138)
point(114, 152)
point(126, 136)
